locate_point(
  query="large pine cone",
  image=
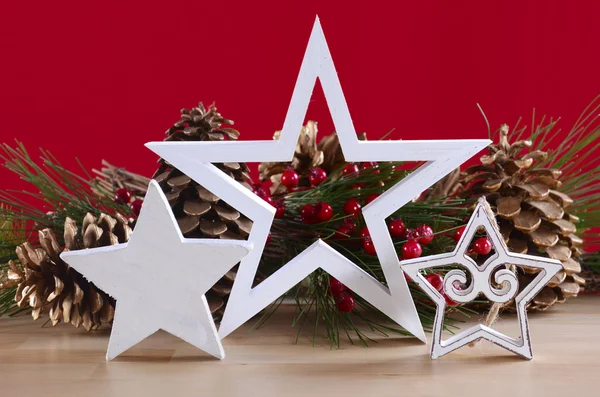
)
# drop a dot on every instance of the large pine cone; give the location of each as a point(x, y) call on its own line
point(46, 281)
point(531, 212)
point(199, 213)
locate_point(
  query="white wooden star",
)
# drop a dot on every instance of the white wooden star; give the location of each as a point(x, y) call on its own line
point(442, 156)
point(159, 279)
point(480, 284)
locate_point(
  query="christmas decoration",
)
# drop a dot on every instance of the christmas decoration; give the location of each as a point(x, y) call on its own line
point(411, 249)
point(493, 279)
point(317, 176)
point(424, 234)
point(439, 212)
point(122, 196)
point(482, 246)
point(289, 178)
point(397, 228)
point(60, 206)
point(352, 207)
point(393, 300)
point(46, 282)
point(158, 258)
point(200, 213)
point(110, 178)
point(532, 211)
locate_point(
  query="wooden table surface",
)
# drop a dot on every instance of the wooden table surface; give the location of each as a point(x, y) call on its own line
point(63, 361)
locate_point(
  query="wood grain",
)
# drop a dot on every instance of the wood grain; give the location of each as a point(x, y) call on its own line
point(64, 361)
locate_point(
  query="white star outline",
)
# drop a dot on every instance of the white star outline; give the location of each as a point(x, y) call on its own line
point(481, 278)
point(441, 156)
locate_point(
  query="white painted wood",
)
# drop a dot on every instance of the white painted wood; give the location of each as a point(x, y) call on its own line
point(159, 278)
point(442, 156)
point(480, 284)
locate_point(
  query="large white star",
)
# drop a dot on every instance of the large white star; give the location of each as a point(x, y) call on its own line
point(442, 156)
point(159, 279)
point(482, 276)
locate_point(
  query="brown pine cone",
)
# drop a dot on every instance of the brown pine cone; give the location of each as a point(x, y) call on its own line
point(47, 282)
point(532, 212)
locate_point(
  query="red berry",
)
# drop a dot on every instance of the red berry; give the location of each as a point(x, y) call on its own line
point(352, 207)
point(308, 214)
point(450, 302)
point(260, 191)
point(268, 239)
point(270, 201)
point(342, 232)
point(345, 303)
point(280, 209)
point(370, 198)
point(369, 247)
point(323, 211)
point(350, 170)
point(136, 207)
point(122, 196)
point(436, 281)
point(411, 249)
point(317, 176)
point(290, 178)
point(336, 287)
point(349, 224)
point(364, 233)
point(424, 234)
point(458, 233)
point(370, 165)
point(397, 228)
point(482, 246)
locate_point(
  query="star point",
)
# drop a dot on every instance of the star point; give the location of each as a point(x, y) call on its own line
point(158, 258)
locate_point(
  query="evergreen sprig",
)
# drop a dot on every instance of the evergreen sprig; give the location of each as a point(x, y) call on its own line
point(576, 155)
point(57, 194)
point(290, 236)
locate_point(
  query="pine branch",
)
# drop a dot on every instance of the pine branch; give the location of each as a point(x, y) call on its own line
point(56, 194)
point(290, 237)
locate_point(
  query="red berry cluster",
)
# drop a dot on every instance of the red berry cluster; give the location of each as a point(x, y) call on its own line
point(411, 249)
point(344, 298)
point(291, 179)
point(124, 196)
point(320, 212)
point(481, 245)
point(264, 194)
point(437, 282)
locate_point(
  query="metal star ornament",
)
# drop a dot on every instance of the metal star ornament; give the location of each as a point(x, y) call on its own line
point(159, 279)
point(480, 283)
point(393, 299)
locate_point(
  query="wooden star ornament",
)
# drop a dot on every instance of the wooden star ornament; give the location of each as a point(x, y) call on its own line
point(393, 299)
point(504, 287)
point(159, 279)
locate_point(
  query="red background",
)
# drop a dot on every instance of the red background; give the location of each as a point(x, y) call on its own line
point(99, 79)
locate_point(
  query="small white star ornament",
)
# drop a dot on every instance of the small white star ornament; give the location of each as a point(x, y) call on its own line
point(481, 277)
point(159, 279)
point(441, 156)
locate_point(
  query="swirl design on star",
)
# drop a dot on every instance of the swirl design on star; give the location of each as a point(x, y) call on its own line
point(481, 283)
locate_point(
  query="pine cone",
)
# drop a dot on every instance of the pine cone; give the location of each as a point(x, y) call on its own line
point(309, 154)
point(46, 281)
point(199, 213)
point(531, 212)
